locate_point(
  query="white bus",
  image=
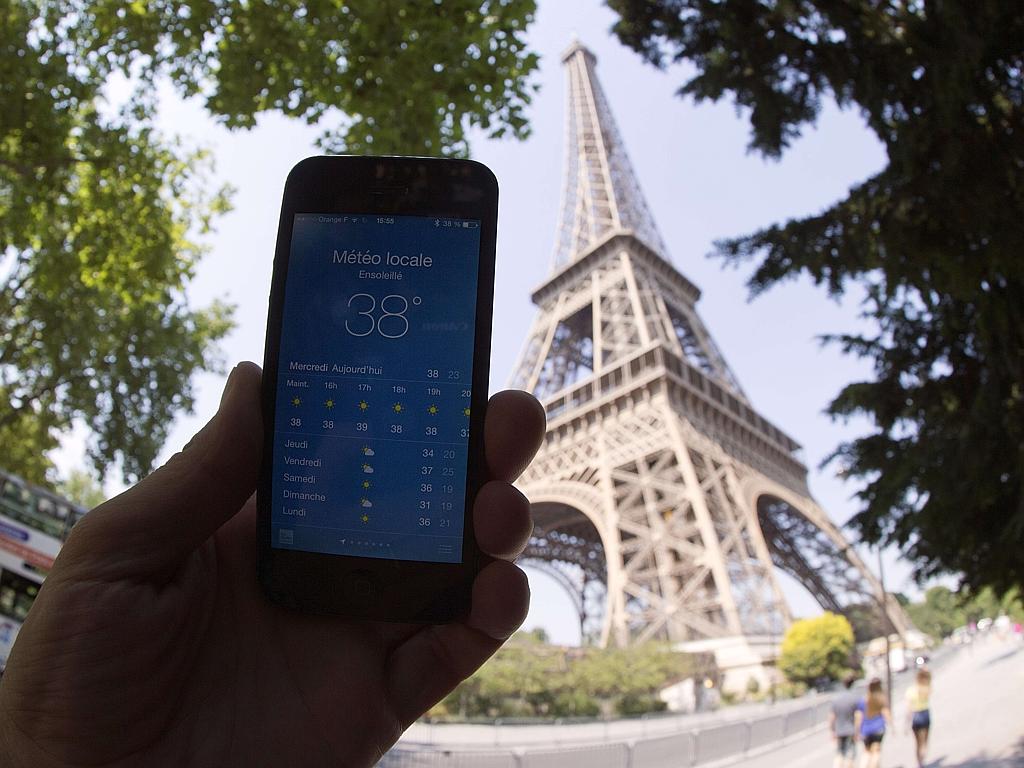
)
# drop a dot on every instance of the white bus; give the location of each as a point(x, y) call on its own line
point(34, 523)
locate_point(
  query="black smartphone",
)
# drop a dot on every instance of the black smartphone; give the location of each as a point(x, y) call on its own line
point(374, 387)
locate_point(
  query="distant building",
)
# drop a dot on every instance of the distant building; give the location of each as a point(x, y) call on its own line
point(34, 523)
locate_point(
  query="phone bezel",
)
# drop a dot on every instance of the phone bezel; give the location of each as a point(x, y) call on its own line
point(360, 587)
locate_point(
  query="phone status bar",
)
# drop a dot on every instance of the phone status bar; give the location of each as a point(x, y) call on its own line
point(339, 218)
point(457, 223)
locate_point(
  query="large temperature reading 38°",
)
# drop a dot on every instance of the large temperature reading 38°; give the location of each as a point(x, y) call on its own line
point(373, 400)
point(390, 322)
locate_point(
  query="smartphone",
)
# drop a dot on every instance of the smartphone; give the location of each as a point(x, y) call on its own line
point(374, 387)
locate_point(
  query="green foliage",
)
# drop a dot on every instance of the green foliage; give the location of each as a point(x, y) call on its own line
point(867, 621)
point(80, 488)
point(789, 690)
point(943, 610)
point(394, 77)
point(989, 604)
point(529, 678)
point(933, 240)
point(575, 704)
point(535, 635)
point(26, 438)
point(98, 221)
point(938, 614)
point(101, 218)
point(816, 649)
point(609, 672)
point(633, 705)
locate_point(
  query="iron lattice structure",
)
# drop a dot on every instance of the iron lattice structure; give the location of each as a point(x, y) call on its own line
point(663, 501)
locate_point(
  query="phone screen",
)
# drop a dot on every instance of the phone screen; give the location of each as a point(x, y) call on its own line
point(371, 431)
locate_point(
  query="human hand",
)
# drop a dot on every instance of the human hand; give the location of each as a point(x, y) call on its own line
point(152, 644)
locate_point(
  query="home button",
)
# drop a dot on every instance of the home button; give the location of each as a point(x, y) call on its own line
point(361, 588)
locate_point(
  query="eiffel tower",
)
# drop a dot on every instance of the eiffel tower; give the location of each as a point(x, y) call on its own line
point(663, 501)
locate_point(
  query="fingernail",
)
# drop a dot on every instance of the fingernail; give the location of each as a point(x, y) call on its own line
point(232, 382)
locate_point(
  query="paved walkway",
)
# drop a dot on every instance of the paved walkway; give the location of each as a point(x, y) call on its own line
point(977, 718)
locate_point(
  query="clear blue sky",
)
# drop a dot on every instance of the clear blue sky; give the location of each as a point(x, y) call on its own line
point(700, 183)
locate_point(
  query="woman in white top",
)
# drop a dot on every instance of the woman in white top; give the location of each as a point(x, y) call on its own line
point(919, 716)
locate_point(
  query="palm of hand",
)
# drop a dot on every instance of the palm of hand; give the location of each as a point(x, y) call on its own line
point(192, 665)
point(156, 675)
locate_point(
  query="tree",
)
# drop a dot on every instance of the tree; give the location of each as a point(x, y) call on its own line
point(867, 620)
point(407, 78)
point(939, 613)
point(988, 604)
point(529, 678)
point(943, 610)
point(80, 487)
point(816, 649)
point(639, 670)
point(98, 222)
point(933, 240)
point(102, 218)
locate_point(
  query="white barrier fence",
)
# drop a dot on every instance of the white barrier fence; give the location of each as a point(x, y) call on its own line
point(685, 749)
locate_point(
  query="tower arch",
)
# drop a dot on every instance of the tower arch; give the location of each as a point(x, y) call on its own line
point(804, 542)
point(569, 543)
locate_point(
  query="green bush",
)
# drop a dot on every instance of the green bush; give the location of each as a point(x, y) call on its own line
point(633, 704)
point(530, 678)
point(817, 649)
point(574, 704)
point(790, 690)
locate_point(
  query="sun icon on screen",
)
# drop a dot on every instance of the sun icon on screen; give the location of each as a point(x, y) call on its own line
point(365, 518)
point(366, 484)
point(432, 410)
point(465, 411)
point(398, 407)
point(328, 404)
point(296, 400)
point(363, 405)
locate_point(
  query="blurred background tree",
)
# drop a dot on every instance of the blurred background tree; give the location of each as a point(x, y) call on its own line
point(816, 650)
point(529, 678)
point(988, 604)
point(932, 243)
point(939, 613)
point(102, 219)
point(942, 610)
point(81, 488)
point(867, 621)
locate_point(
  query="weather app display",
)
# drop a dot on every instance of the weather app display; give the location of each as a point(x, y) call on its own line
point(373, 392)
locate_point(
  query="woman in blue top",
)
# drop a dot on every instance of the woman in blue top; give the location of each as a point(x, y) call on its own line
point(871, 720)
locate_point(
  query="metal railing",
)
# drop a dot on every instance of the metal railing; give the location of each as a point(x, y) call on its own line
point(700, 745)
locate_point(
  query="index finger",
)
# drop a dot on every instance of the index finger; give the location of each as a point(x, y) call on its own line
point(513, 433)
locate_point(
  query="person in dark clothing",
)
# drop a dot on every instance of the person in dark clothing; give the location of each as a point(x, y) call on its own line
point(842, 724)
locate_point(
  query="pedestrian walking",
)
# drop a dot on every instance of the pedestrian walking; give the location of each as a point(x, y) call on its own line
point(919, 718)
point(873, 718)
point(842, 722)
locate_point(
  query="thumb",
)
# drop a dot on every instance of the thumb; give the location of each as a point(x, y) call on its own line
point(149, 529)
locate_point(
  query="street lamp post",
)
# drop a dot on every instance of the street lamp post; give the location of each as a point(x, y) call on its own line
point(888, 630)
